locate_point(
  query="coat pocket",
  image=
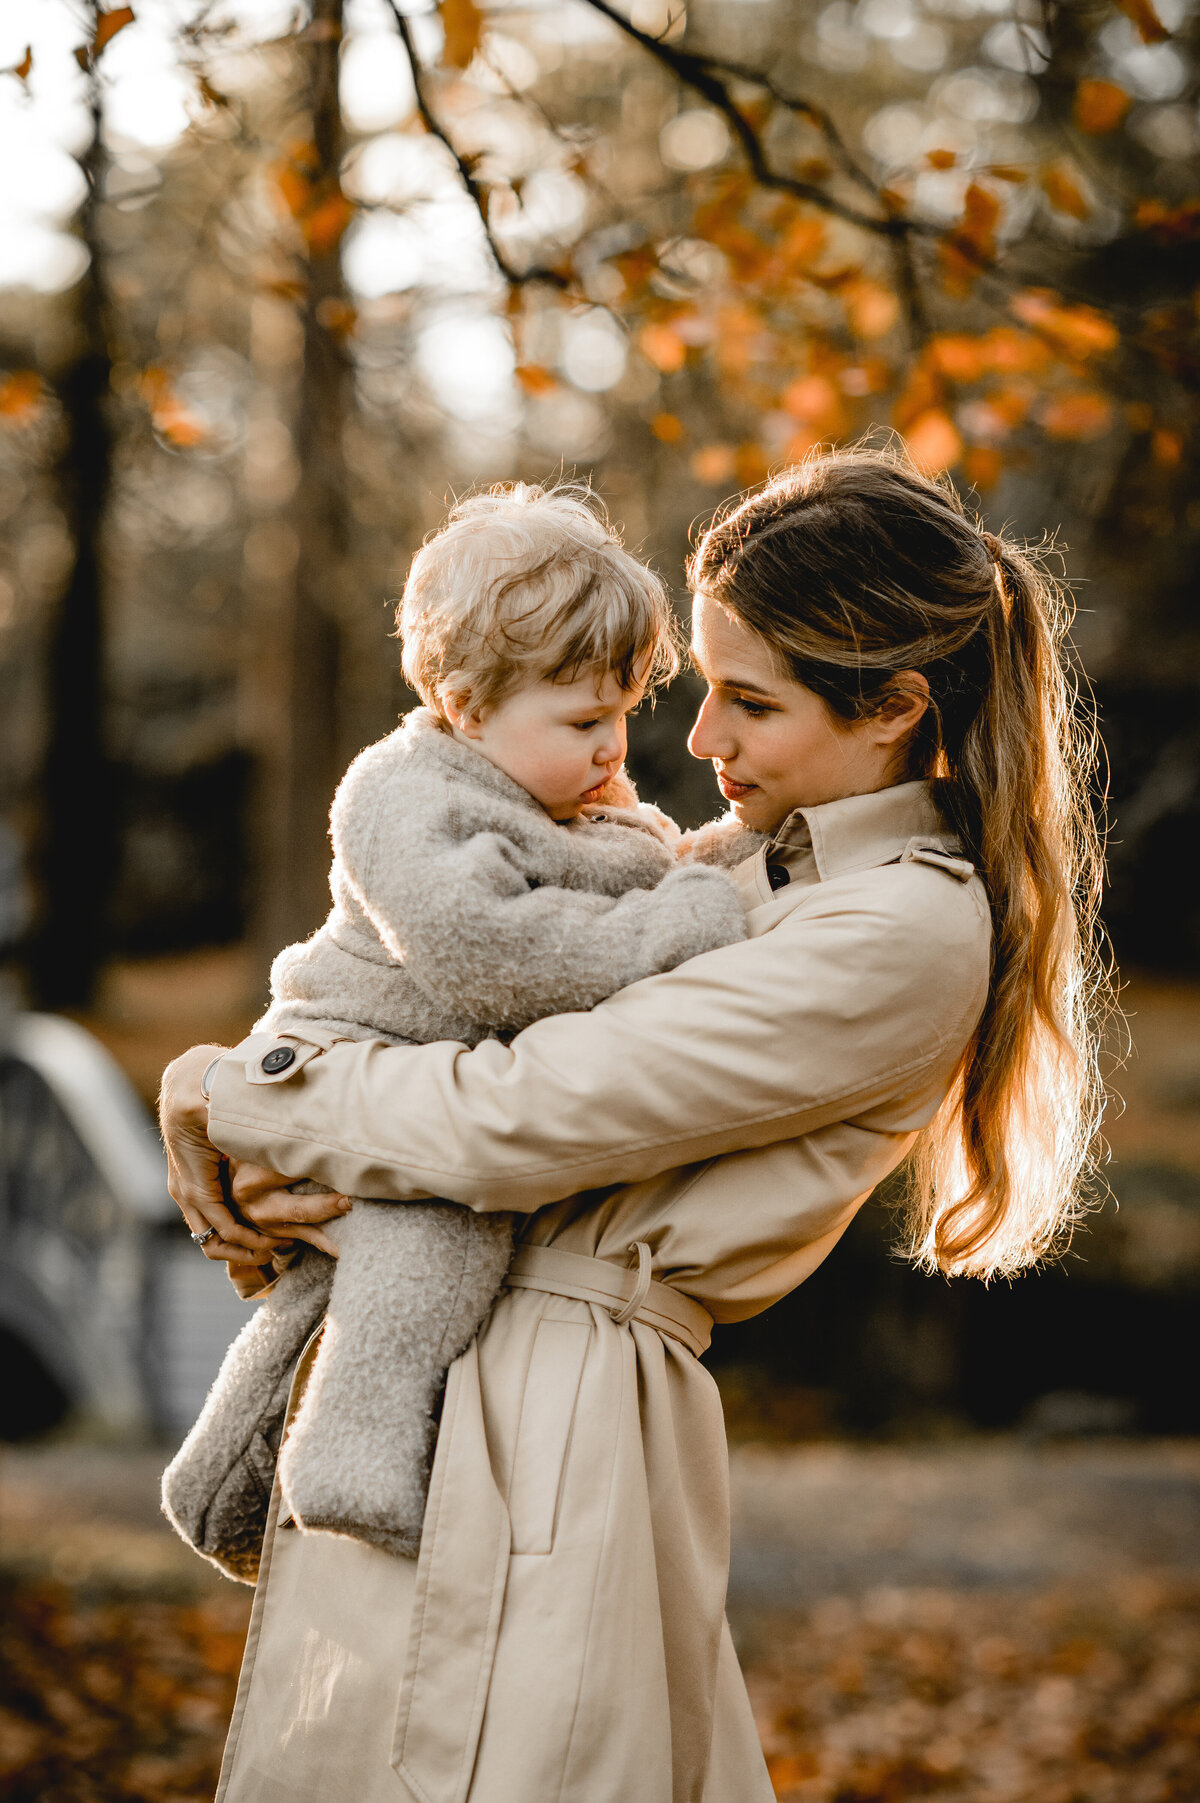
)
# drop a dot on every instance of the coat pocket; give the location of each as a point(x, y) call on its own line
point(544, 1432)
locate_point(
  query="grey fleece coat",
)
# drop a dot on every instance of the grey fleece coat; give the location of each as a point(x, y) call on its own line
point(460, 911)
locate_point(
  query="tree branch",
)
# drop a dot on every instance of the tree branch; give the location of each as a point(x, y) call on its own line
point(515, 277)
point(697, 72)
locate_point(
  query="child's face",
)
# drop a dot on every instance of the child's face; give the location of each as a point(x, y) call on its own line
point(560, 740)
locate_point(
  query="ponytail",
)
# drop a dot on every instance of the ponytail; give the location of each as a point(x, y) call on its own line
point(856, 569)
point(998, 1175)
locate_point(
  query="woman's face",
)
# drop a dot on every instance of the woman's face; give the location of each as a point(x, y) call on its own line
point(774, 744)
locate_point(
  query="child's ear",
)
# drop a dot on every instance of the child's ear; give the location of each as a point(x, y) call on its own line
point(463, 714)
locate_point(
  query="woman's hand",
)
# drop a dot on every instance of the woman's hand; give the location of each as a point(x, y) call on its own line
point(264, 1199)
point(194, 1165)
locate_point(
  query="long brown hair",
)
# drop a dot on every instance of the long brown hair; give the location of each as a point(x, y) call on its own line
point(856, 568)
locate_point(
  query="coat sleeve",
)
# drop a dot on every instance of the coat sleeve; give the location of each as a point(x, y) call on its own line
point(830, 1016)
point(477, 935)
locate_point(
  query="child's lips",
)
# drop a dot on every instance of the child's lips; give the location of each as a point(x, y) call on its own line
point(593, 794)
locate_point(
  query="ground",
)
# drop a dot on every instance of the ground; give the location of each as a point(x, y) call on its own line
point(984, 1621)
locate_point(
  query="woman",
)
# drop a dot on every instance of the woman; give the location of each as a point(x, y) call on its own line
point(886, 702)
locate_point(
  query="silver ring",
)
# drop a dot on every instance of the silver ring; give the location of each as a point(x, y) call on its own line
point(202, 1239)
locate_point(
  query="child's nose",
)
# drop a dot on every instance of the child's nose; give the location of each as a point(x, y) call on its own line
point(612, 750)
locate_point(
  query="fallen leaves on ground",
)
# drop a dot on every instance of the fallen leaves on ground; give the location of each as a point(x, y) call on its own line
point(1067, 1696)
point(1063, 1697)
point(114, 1701)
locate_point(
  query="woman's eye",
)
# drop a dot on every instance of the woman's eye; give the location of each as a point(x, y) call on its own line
point(755, 709)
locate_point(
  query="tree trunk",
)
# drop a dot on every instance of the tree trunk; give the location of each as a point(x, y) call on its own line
point(78, 851)
point(302, 755)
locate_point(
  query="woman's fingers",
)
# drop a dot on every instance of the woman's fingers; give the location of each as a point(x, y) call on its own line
point(264, 1198)
point(313, 1236)
point(193, 1162)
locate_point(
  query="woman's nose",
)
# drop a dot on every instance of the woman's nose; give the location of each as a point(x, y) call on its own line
point(706, 740)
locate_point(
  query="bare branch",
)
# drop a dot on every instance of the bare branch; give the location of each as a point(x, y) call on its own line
point(698, 73)
point(516, 278)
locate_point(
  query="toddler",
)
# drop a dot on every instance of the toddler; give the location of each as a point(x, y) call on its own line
point(491, 866)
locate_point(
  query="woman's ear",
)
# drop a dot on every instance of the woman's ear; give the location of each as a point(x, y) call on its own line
point(903, 706)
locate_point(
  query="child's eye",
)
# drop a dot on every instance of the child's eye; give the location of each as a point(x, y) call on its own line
point(586, 725)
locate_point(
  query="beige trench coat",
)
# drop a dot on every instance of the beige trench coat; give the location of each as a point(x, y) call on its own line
point(562, 1638)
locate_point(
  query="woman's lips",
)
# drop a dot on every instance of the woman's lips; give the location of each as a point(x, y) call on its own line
point(733, 791)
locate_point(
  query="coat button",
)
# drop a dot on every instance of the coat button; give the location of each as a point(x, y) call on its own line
point(777, 876)
point(278, 1060)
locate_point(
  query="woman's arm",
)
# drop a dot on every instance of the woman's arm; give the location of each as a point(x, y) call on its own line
point(861, 1001)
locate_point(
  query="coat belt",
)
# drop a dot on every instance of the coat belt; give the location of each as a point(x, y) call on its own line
point(462, 1569)
point(599, 1280)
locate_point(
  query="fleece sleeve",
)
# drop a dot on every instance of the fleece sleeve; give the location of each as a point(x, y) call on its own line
point(477, 933)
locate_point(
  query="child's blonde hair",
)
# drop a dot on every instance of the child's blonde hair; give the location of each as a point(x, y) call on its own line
point(526, 584)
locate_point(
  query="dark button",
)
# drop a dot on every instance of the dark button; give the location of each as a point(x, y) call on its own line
point(777, 876)
point(278, 1060)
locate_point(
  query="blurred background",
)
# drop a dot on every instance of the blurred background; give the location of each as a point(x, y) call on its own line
point(276, 282)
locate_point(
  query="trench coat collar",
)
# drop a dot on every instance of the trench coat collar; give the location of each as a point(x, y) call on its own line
point(862, 831)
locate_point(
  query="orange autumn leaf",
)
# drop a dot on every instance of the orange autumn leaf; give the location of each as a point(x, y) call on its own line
point(667, 427)
point(922, 391)
point(981, 211)
point(24, 68)
point(662, 346)
point(1010, 405)
point(803, 242)
point(1077, 331)
point(1082, 415)
point(714, 463)
point(1100, 106)
point(1166, 447)
point(325, 224)
point(1016, 353)
point(983, 465)
point(1063, 191)
point(941, 159)
point(108, 25)
point(20, 396)
point(462, 22)
point(873, 309)
point(294, 188)
point(815, 402)
point(337, 316)
point(751, 465)
point(933, 441)
point(973, 241)
point(1169, 225)
point(1149, 26)
point(536, 380)
point(787, 1770)
point(959, 356)
point(169, 416)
